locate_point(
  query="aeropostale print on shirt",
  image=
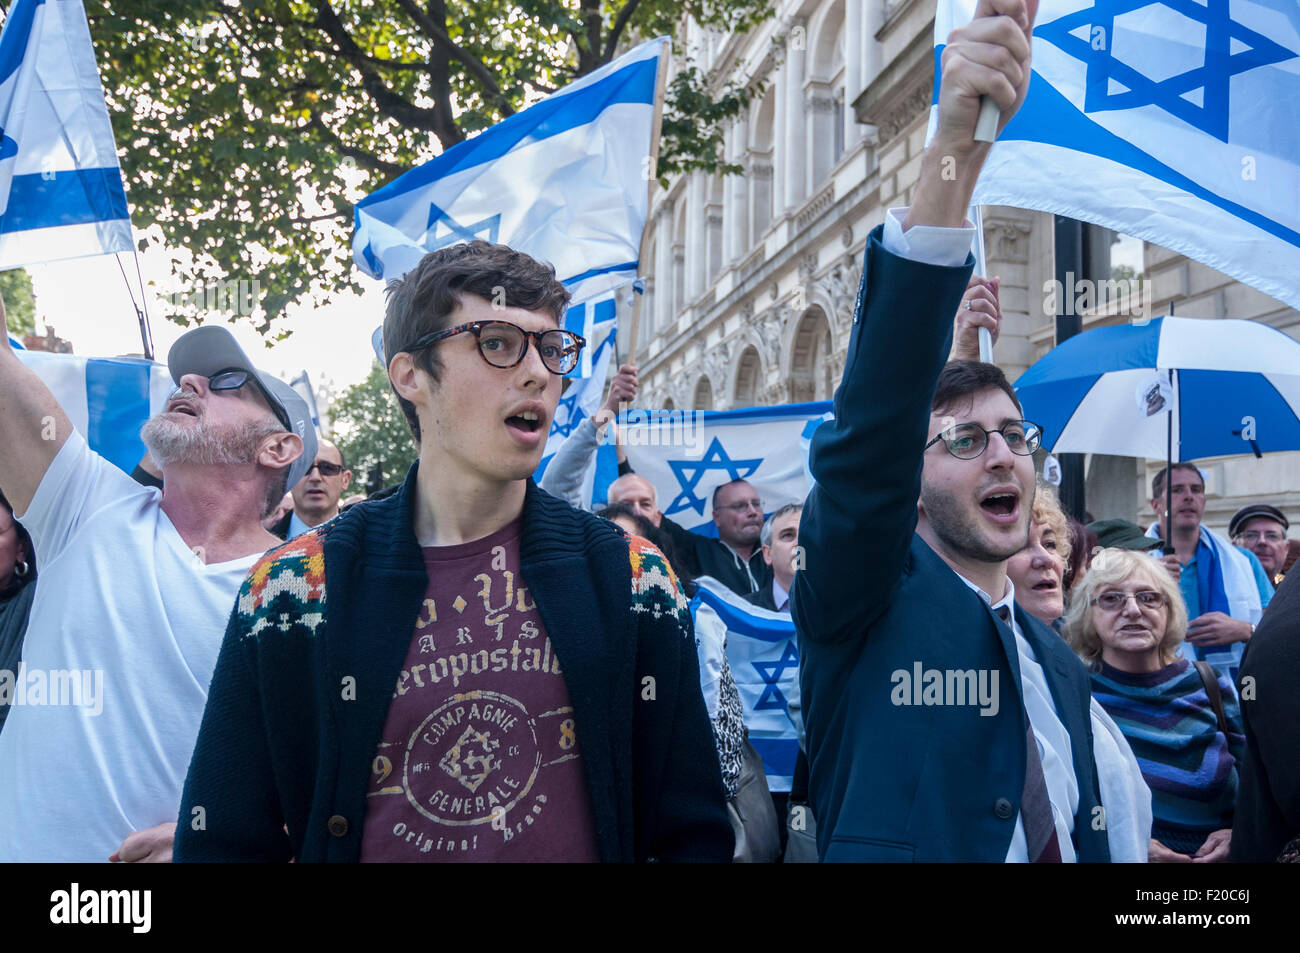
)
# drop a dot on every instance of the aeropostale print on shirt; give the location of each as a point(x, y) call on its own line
point(479, 756)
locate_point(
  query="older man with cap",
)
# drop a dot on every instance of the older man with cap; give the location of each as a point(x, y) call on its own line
point(1261, 529)
point(136, 588)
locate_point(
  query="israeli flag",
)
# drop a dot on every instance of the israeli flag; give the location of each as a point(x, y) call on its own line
point(302, 387)
point(582, 399)
point(61, 190)
point(108, 400)
point(564, 181)
point(763, 653)
point(686, 454)
point(1174, 121)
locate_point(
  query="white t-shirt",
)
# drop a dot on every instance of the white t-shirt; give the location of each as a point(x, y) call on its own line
point(127, 617)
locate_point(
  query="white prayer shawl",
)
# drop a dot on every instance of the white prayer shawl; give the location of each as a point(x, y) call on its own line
point(1124, 793)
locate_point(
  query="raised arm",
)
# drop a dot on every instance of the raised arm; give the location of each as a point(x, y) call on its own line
point(33, 427)
point(859, 518)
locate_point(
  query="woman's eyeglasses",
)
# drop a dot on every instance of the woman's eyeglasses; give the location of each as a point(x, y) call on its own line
point(1114, 601)
point(503, 344)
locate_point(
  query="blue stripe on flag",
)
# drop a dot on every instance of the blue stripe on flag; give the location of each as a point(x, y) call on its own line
point(71, 197)
point(592, 273)
point(1050, 118)
point(117, 401)
point(634, 83)
point(606, 473)
point(779, 757)
point(738, 620)
point(17, 33)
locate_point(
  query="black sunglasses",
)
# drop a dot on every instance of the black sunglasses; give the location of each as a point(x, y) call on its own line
point(235, 378)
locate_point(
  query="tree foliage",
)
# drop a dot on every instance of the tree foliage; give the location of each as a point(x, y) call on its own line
point(371, 429)
point(251, 126)
point(20, 302)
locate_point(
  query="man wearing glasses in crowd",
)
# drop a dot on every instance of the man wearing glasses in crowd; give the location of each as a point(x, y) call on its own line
point(735, 558)
point(136, 587)
point(316, 497)
point(469, 669)
point(943, 722)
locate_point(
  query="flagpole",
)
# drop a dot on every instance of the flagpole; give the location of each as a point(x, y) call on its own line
point(656, 127)
point(981, 269)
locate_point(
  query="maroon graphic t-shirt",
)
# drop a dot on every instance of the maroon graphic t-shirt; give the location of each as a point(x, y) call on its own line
point(479, 760)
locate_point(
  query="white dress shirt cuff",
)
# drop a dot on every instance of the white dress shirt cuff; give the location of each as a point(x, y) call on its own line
point(928, 244)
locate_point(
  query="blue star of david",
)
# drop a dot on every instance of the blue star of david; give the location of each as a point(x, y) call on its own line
point(715, 458)
point(572, 418)
point(771, 673)
point(454, 232)
point(1212, 77)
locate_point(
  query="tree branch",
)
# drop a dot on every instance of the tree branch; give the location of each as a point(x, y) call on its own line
point(397, 107)
point(472, 63)
point(620, 24)
point(369, 160)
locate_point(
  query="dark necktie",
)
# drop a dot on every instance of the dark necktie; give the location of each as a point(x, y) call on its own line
point(1035, 805)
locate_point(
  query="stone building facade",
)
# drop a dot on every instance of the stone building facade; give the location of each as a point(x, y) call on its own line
point(752, 277)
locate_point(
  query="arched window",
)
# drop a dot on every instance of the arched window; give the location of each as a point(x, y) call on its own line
point(747, 378)
point(810, 374)
point(703, 394)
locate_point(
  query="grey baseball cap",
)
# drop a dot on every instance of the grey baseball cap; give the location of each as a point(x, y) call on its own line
point(209, 349)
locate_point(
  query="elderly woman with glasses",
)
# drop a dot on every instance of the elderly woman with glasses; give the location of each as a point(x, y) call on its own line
point(1037, 573)
point(1127, 621)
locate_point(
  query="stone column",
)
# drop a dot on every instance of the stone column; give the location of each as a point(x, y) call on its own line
point(819, 116)
point(796, 145)
point(696, 250)
point(853, 84)
point(779, 150)
point(738, 227)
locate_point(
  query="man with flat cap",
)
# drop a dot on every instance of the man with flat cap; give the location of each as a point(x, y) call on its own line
point(136, 586)
point(1261, 529)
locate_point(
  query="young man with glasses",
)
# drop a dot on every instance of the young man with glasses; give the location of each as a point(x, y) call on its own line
point(316, 497)
point(136, 588)
point(943, 722)
point(470, 669)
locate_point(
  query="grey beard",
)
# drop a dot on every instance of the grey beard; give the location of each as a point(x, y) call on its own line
point(170, 442)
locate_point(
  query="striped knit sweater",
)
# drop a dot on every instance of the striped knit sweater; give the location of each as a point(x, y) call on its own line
point(1187, 762)
point(318, 636)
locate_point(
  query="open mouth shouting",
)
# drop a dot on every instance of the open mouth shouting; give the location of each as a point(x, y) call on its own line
point(1001, 505)
point(527, 424)
point(182, 405)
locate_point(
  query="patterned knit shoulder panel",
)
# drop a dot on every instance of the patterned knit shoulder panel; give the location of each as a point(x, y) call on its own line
point(285, 590)
point(655, 589)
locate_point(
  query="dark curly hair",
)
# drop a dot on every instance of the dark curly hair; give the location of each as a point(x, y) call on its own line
point(422, 300)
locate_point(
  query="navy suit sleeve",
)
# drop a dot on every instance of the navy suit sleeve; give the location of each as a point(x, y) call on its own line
point(859, 519)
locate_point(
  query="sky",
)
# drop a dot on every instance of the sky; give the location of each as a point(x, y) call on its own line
point(87, 303)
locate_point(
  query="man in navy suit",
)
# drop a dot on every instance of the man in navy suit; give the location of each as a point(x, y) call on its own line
point(943, 722)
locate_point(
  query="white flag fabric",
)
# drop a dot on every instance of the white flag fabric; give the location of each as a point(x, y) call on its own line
point(763, 652)
point(1174, 121)
point(108, 400)
point(686, 454)
point(565, 181)
point(581, 400)
point(61, 190)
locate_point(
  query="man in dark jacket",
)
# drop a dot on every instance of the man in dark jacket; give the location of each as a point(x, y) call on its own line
point(943, 722)
point(1268, 802)
point(470, 669)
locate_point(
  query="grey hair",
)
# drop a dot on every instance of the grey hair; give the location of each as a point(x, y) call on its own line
point(765, 537)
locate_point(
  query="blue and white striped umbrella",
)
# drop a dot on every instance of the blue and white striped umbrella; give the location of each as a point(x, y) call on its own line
point(1232, 386)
